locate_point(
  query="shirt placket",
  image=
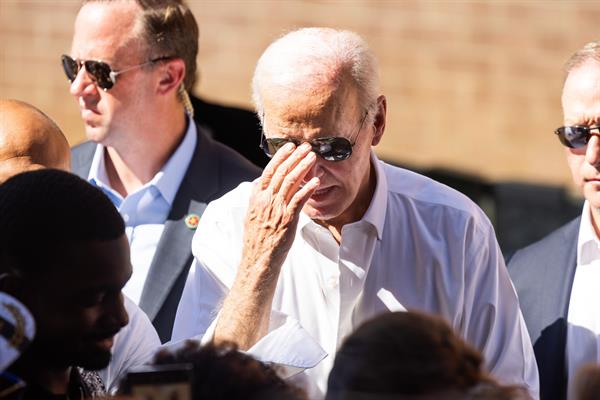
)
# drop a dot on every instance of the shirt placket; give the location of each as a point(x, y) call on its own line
point(356, 252)
point(329, 276)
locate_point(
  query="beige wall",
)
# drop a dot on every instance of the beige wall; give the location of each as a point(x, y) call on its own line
point(474, 86)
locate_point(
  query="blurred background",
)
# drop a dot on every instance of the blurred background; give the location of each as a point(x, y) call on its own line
point(473, 87)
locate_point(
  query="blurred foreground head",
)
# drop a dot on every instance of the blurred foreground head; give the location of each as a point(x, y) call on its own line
point(411, 355)
point(221, 372)
point(17, 329)
point(65, 256)
point(587, 383)
point(29, 140)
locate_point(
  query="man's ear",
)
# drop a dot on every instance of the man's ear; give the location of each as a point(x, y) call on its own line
point(171, 75)
point(379, 121)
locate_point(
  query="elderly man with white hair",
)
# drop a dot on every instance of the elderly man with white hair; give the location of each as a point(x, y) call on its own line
point(329, 236)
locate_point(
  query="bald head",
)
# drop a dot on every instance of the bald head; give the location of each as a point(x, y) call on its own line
point(29, 140)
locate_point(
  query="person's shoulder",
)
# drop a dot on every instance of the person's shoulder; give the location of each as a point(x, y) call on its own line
point(236, 198)
point(234, 160)
point(231, 164)
point(81, 158)
point(538, 251)
point(84, 149)
point(417, 188)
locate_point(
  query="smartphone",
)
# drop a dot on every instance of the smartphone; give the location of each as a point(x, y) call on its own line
point(161, 382)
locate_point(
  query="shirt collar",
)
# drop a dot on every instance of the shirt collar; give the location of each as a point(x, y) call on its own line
point(588, 245)
point(375, 214)
point(168, 179)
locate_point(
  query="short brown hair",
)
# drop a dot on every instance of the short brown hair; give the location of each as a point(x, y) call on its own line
point(410, 353)
point(168, 28)
point(221, 372)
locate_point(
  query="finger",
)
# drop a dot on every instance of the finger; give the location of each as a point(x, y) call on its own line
point(300, 198)
point(279, 157)
point(296, 176)
point(287, 166)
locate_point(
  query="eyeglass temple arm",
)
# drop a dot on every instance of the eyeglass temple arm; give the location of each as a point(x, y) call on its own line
point(113, 74)
point(262, 130)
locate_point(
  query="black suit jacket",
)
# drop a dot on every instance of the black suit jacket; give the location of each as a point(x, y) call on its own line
point(543, 275)
point(214, 170)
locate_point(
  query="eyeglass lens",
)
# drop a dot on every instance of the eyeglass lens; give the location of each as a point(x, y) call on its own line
point(574, 136)
point(99, 71)
point(329, 148)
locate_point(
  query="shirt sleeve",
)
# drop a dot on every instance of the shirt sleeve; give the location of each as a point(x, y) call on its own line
point(217, 250)
point(492, 319)
point(134, 345)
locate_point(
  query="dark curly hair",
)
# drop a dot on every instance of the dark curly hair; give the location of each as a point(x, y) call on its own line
point(221, 372)
point(406, 353)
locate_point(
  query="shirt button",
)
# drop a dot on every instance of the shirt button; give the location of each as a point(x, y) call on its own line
point(333, 283)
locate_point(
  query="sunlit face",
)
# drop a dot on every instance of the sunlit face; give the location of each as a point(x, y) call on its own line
point(105, 31)
point(78, 306)
point(581, 106)
point(345, 188)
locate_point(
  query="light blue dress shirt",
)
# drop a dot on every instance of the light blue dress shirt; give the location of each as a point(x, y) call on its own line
point(146, 210)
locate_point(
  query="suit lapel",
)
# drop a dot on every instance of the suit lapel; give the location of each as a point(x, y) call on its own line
point(173, 254)
point(554, 296)
point(81, 159)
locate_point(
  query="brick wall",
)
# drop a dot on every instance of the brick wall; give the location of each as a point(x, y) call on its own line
point(471, 85)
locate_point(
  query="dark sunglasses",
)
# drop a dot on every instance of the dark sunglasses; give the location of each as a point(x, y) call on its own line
point(576, 136)
point(330, 148)
point(100, 72)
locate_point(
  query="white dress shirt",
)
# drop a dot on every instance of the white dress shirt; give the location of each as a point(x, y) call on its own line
point(146, 210)
point(420, 245)
point(583, 318)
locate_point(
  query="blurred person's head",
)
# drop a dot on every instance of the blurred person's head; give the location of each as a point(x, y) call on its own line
point(321, 85)
point(587, 383)
point(411, 355)
point(581, 109)
point(220, 372)
point(131, 61)
point(17, 329)
point(65, 256)
point(29, 140)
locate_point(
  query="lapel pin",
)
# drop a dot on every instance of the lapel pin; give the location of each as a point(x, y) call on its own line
point(192, 220)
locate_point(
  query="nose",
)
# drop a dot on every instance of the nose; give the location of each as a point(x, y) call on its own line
point(316, 170)
point(592, 151)
point(116, 311)
point(82, 85)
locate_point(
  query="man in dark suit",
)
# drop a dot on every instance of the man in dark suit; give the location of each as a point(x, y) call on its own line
point(145, 151)
point(558, 278)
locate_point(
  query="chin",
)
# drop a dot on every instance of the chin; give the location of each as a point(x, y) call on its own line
point(321, 214)
point(94, 360)
point(95, 133)
point(592, 195)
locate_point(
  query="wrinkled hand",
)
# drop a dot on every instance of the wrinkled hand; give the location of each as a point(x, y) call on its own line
point(275, 205)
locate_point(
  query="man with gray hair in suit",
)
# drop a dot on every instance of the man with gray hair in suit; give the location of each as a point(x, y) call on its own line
point(558, 277)
point(329, 236)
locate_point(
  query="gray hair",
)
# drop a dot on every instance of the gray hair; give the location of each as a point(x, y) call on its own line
point(308, 58)
point(589, 52)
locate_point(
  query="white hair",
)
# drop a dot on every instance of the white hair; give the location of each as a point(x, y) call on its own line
point(309, 58)
point(589, 52)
